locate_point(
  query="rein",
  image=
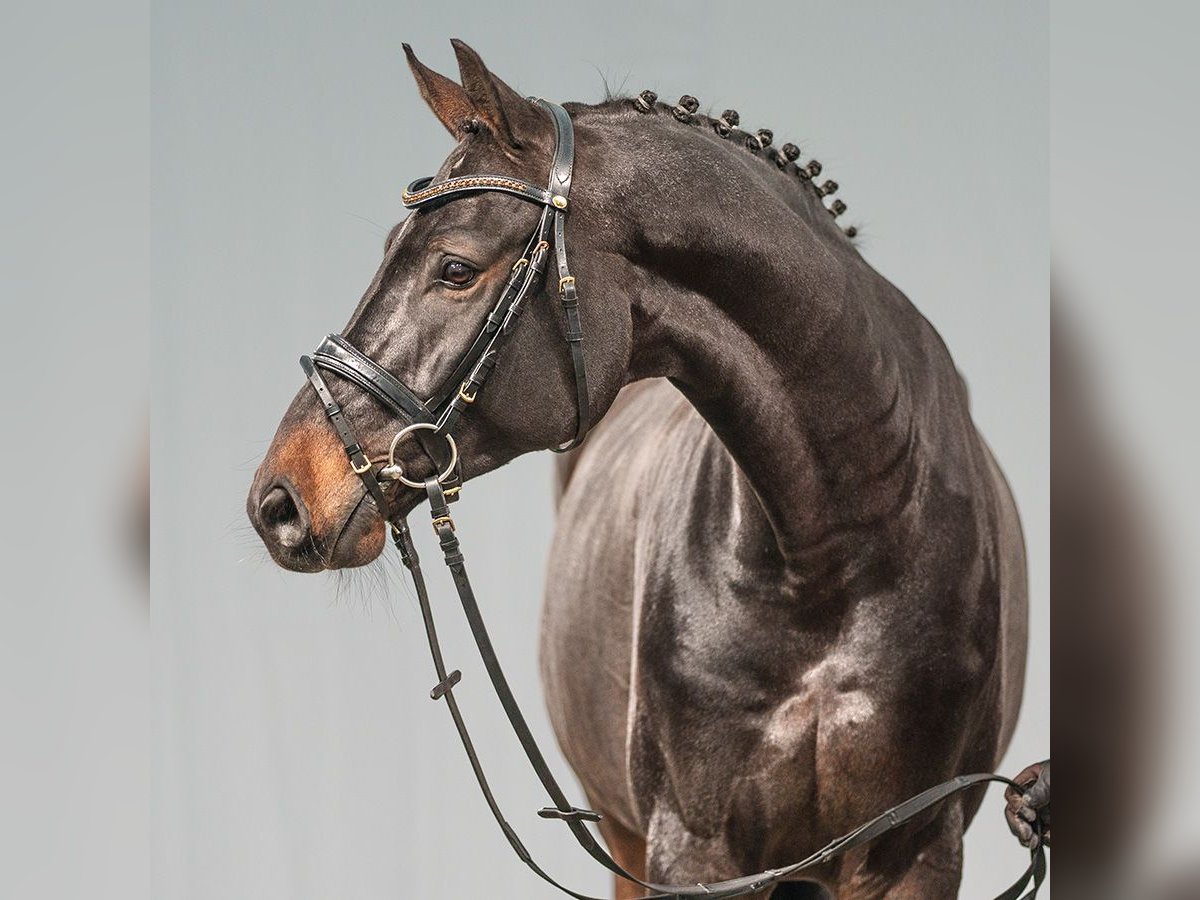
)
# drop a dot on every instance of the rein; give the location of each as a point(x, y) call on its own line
point(436, 416)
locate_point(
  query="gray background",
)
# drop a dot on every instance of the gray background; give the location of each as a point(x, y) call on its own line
point(74, 289)
point(296, 754)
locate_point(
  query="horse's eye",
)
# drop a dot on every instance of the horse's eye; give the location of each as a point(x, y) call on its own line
point(457, 272)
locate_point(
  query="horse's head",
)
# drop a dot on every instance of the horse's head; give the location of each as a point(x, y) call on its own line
point(444, 269)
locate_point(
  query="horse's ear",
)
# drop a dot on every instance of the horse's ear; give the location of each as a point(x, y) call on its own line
point(506, 113)
point(446, 98)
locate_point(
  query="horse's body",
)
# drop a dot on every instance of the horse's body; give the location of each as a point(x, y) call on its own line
point(723, 729)
point(788, 585)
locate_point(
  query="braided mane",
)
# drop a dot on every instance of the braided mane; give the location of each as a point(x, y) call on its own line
point(759, 143)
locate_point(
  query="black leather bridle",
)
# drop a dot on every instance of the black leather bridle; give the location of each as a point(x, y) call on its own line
point(437, 416)
point(439, 413)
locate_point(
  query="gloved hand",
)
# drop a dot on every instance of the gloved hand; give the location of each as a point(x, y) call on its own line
point(1032, 804)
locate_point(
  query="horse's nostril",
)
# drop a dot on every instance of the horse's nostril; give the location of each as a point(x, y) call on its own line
point(281, 517)
point(278, 508)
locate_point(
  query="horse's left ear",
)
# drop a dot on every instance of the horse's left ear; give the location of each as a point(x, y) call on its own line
point(508, 115)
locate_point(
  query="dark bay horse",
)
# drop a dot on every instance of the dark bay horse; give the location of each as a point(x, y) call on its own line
point(788, 585)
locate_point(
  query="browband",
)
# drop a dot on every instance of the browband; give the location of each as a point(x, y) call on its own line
point(416, 197)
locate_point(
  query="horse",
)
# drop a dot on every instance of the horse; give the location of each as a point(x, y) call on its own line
point(787, 585)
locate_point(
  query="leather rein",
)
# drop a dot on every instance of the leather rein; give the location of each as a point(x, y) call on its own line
point(436, 416)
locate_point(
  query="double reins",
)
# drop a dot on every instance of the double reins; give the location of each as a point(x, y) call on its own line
point(576, 817)
point(436, 417)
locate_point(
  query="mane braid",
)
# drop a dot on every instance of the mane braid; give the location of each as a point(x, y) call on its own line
point(758, 143)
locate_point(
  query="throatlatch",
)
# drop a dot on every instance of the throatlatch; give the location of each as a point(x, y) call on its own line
point(432, 422)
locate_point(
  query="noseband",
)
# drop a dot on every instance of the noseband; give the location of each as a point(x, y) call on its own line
point(437, 416)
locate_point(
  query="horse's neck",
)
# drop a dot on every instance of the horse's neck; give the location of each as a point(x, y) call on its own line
point(805, 362)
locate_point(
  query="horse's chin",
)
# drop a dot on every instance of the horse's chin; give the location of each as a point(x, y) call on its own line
point(404, 500)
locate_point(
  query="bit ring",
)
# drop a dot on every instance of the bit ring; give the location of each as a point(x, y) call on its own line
point(394, 470)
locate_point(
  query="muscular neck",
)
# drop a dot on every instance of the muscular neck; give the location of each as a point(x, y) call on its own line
point(793, 349)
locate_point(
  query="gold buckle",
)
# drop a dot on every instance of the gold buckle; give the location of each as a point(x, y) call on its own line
point(563, 282)
point(364, 469)
point(542, 245)
point(520, 262)
point(464, 396)
point(442, 520)
point(452, 492)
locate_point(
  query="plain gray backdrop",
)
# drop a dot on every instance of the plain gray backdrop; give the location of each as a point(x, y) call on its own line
point(297, 754)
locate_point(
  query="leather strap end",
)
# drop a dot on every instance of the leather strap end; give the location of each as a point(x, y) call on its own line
point(574, 814)
point(442, 688)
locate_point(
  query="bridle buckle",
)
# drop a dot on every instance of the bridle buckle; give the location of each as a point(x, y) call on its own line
point(363, 469)
point(564, 283)
point(442, 520)
point(464, 396)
